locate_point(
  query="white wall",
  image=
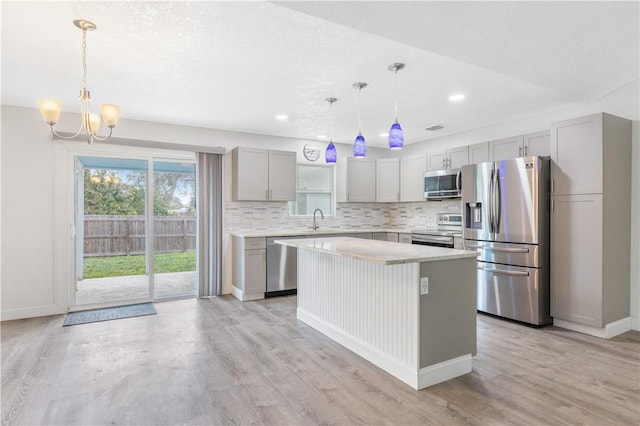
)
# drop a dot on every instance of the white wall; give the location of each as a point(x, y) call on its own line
point(27, 189)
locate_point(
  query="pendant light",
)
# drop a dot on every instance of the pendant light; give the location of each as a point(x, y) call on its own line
point(331, 154)
point(396, 135)
point(360, 144)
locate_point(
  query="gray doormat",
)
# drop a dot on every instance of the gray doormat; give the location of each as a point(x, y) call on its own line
point(106, 314)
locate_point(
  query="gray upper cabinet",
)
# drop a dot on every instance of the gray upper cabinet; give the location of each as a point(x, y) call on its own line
point(577, 153)
point(282, 175)
point(361, 180)
point(479, 153)
point(388, 180)
point(263, 175)
point(412, 178)
point(528, 145)
point(503, 149)
point(538, 143)
point(453, 158)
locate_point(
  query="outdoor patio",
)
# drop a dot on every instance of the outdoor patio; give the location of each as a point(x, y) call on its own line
point(104, 290)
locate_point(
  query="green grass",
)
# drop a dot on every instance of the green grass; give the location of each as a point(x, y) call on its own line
point(115, 266)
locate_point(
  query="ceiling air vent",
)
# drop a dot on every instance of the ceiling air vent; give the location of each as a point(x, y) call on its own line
point(434, 128)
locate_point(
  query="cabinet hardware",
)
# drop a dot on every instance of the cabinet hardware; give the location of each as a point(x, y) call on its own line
point(526, 150)
point(553, 205)
point(553, 185)
point(519, 151)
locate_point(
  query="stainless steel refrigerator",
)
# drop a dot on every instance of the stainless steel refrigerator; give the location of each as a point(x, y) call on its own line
point(506, 219)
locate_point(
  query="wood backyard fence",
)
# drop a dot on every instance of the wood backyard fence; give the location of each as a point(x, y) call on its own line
point(125, 235)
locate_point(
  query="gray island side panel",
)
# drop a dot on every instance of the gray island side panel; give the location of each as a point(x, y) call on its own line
point(448, 311)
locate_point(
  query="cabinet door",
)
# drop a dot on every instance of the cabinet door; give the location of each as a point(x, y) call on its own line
point(250, 174)
point(458, 157)
point(576, 259)
point(380, 236)
point(388, 180)
point(503, 149)
point(361, 180)
point(479, 153)
point(404, 238)
point(538, 143)
point(412, 178)
point(255, 273)
point(577, 154)
point(436, 161)
point(282, 176)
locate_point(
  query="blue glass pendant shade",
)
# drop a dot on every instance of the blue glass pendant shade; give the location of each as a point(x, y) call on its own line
point(396, 136)
point(359, 146)
point(330, 154)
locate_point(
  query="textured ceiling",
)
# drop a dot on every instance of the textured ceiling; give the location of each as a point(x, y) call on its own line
point(235, 65)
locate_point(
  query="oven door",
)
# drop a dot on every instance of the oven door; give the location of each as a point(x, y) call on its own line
point(432, 240)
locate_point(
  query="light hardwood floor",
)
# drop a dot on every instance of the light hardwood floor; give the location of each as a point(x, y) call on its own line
point(220, 361)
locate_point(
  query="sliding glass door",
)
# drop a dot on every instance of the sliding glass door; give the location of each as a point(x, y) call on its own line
point(111, 230)
point(128, 224)
point(174, 229)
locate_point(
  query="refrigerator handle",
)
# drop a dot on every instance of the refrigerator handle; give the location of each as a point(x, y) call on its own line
point(504, 272)
point(496, 197)
point(490, 202)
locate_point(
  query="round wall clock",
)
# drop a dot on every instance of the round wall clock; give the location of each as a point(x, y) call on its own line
point(311, 153)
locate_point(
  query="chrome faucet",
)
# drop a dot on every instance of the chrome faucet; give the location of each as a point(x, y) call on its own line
point(315, 225)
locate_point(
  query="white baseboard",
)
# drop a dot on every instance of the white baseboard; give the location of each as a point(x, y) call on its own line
point(635, 323)
point(610, 330)
point(417, 379)
point(242, 296)
point(444, 371)
point(36, 311)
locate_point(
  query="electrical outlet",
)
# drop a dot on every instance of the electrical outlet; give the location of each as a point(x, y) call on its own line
point(424, 286)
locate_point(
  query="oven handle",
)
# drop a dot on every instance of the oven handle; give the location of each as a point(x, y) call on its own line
point(504, 272)
point(503, 250)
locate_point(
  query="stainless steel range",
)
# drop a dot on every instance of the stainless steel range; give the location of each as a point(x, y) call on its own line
point(449, 224)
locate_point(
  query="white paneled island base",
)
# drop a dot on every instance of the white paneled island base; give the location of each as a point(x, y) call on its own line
point(366, 295)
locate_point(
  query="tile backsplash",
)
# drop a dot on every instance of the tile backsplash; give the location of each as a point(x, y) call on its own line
point(272, 216)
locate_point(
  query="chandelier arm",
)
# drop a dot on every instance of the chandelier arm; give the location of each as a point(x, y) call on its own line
point(58, 135)
point(104, 138)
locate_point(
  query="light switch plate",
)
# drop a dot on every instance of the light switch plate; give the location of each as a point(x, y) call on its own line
point(424, 286)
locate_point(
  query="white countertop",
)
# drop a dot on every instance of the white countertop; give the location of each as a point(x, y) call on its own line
point(310, 232)
point(383, 252)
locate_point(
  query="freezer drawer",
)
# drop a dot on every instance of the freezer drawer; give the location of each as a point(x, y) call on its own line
point(518, 293)
point(529, 255)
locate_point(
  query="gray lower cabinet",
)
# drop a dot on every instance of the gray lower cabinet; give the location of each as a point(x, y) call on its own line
point(457, 242)
point(385, 236)
point(404, 238)
point(249, 268)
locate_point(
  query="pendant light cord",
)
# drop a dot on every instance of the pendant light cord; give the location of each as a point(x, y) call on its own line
point(84, 59)
point(360, 110)
point(396, 90)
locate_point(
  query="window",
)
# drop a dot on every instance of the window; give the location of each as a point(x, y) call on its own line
point(315, 189)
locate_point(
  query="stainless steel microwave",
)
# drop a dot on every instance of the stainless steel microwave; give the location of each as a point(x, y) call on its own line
point(443, 184)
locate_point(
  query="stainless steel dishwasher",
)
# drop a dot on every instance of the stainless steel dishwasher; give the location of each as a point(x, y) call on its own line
point(282, 268)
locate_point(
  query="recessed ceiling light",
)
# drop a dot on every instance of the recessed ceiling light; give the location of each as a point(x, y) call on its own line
point(282, 117)
point(384, 135)
point(321, 137)
point(457, 97)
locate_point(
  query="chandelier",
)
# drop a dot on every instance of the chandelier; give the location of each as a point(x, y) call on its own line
point(50, 108)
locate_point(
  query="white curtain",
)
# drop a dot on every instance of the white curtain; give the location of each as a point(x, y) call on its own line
point(209, 224)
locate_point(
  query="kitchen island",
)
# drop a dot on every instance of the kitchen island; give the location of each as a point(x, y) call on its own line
point(409, 309)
